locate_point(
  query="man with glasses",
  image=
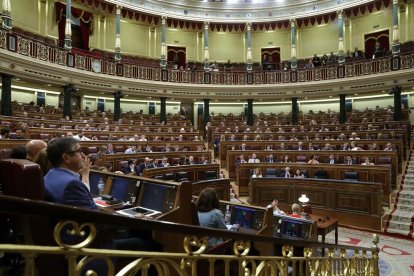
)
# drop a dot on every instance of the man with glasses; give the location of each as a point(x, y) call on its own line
point(62, 182)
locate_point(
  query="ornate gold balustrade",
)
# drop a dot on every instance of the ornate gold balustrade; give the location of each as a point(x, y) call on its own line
point(87, 61)
point(192, 258)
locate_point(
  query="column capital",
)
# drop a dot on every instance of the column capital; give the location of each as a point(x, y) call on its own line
point(206, 25)
point(340, 13)
point(248, 24)
point(292, 22)
point(395, 2)
point(118, 9)
point(163, 19)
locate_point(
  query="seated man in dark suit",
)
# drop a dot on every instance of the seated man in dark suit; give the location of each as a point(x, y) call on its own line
point(349, 160)
point(286, 173)
point(62, 185)
point(130, 168)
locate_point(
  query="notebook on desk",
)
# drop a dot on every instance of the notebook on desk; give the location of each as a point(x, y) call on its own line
point(106, 201)
point(136, 211)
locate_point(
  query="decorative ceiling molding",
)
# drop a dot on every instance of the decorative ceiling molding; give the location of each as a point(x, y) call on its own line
point(238, 12)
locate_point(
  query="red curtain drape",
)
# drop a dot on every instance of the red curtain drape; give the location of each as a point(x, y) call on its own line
point(370, 39)
point(176, 55)
point(86, 23)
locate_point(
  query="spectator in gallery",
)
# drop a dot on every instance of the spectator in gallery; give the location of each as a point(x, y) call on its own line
point(316, 61)
point(378, 51)
point(309, 65)
point(388, 147)
point(358, 53)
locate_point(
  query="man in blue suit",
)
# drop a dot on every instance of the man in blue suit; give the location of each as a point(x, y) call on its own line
point(62, 182)
point(63, 186)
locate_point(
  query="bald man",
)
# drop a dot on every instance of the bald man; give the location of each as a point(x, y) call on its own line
point(33, 147)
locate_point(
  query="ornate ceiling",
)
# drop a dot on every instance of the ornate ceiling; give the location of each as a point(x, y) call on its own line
point(238, 10)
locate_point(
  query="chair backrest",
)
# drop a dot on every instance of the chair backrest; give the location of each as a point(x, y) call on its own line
point(181, 176)
point(21, 178)
point(301, 158)
point(384, 160)
point(169, 176)
point(270, 172)
point(211, 175)
point(352, 176)
point(321, 174)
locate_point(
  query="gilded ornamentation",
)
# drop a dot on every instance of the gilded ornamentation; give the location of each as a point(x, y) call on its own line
point(80, 62)
point(61, 57)
point(86, 232)
point(23, 46)
point(191, 242)
point(2, 39)
point(42, 52)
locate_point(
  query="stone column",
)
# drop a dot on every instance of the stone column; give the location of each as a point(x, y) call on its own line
point(163, 62)
point(163, 111)
point(295, 111)
point(206, 111)
point(68, 26)
point(341, 54)
point(395, 31)
point(293, 61)
point(249, 64)
point(342, 109)
point(67, 100)
point(250, 119)
point(397, 103)
point(118, 34)
point(6, 15)
point(117, 105)
point(206, 54)
point(6, 108)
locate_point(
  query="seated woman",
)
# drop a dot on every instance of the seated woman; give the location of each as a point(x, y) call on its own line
point(209, 214)
point(296, 211)
point(367, 162)
point(298, 174)
point(257, 173)
point(313, 160)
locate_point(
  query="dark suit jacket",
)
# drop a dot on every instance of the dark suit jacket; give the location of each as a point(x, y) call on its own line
point(283, 174)
point(352, 162)
point(63, 187)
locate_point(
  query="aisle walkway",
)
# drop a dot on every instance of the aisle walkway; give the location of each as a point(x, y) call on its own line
point(401, 220)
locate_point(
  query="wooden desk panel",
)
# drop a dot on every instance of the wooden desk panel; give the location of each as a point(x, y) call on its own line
point(340, 156)
point(195, 172)
point(226, 146)
point(373, 174)
point(352, 203)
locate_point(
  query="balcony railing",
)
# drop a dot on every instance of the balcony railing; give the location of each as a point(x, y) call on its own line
point(339, 260)
point(92, 62)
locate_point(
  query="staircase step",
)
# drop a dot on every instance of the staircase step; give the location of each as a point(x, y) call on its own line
point(406, 208)
point(397, 231)
point(406, 201)
point(399, 226)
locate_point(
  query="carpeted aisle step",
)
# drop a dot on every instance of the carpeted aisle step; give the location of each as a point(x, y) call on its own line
point(401, 219)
